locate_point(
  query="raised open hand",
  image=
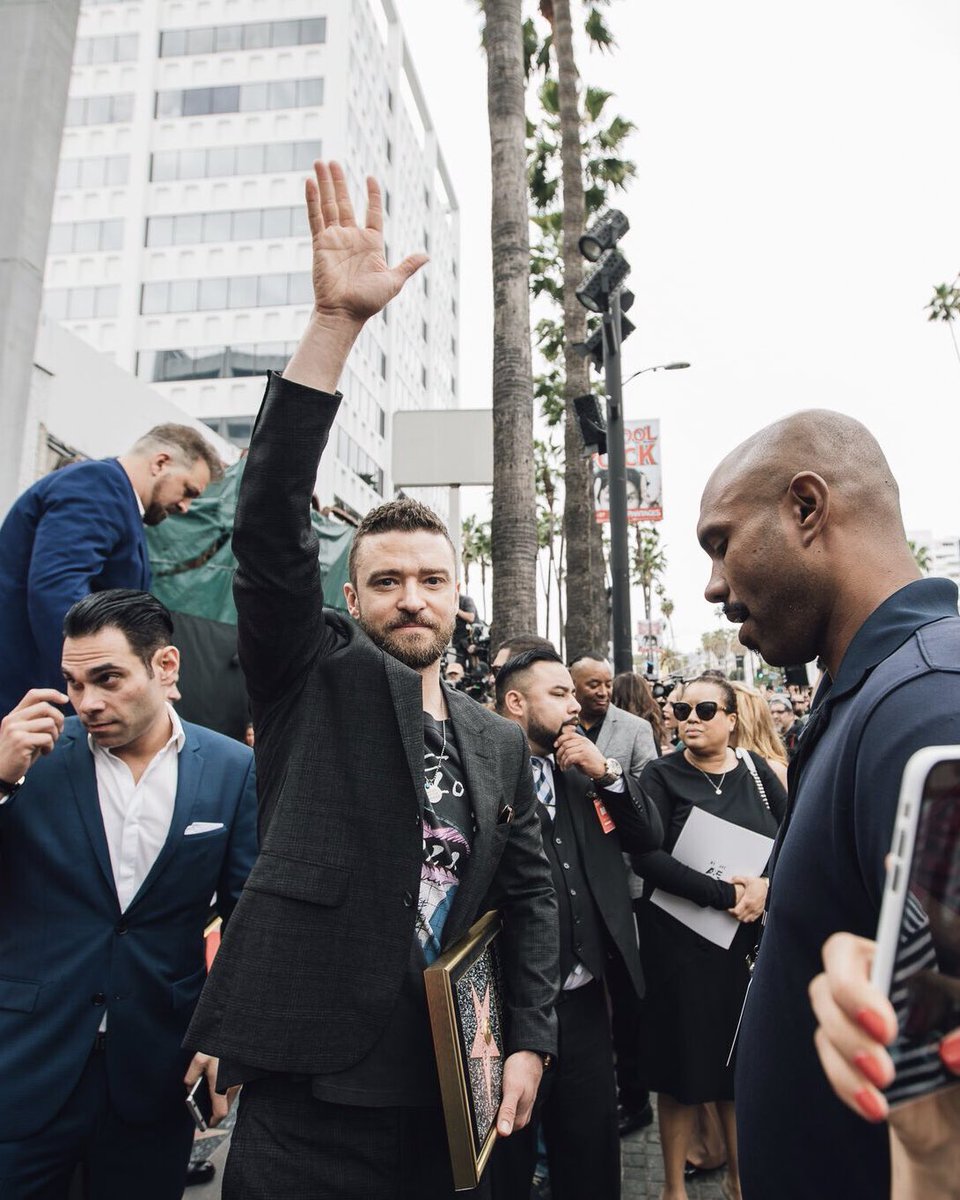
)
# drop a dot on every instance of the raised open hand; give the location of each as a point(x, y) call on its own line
point(351, 279)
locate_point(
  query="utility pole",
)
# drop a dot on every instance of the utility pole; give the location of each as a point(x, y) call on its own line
point(36, 54)
point(617, 486)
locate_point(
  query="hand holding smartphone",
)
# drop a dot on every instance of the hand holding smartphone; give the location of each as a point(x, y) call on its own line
point(199, 1104)
point(917, 960)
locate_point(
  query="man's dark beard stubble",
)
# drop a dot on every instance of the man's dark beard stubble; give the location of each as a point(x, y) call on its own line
point(417, 657)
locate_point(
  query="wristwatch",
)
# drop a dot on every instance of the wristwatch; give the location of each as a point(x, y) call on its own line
point(612, 773)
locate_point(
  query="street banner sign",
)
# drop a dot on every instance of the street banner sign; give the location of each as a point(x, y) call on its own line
point(644, 494)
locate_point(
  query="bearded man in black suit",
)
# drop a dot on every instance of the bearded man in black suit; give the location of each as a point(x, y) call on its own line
point(393, 810)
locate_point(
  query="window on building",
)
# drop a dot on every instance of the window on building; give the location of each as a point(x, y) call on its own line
point(237, 291)
point(383, 365)
point(258, 35)
point(113, 48)
point(254, 159)
point(213, 362)
point(99, 110)
point(238, 225)
point(232, 98)
point(424, 331)
point(81, 236)
point(81, 303)
point(237, 430)
point(423, 376)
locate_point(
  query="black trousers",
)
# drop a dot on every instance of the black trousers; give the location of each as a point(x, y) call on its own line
point(287, 1145)
point(577, 1109)
point(626, 1018)
point(118, 1160)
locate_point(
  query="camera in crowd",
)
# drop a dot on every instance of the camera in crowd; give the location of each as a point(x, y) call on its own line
point(663, 687)
point(468, 662)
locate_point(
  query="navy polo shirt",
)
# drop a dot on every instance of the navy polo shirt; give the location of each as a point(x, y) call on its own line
point(897, 690)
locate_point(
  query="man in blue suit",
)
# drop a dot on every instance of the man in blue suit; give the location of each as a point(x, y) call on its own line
point(80, 530)
point(117, 826)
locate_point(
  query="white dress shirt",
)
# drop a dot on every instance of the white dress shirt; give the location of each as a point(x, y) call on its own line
point(137, 816)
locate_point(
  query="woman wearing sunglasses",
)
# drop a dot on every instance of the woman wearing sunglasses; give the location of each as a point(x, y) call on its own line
point(695, 989)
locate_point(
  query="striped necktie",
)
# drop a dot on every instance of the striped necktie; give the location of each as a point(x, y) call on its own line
point(544, 789)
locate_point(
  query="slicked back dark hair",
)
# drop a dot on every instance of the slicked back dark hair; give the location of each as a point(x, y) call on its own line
point(141, 618)
point(515, 666)
point(396, 516)
point(525, 641)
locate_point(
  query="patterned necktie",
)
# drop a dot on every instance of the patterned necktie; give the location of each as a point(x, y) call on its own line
point(542, 781)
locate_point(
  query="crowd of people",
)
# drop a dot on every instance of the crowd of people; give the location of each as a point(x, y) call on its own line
point(407, 781)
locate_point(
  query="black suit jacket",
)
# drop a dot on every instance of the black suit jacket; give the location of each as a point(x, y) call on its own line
point(312, 962)
point(637, 824)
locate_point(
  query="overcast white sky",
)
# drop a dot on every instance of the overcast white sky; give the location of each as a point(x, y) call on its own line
point(796, 202)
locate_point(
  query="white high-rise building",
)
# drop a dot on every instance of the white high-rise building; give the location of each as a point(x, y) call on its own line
point(180, 245)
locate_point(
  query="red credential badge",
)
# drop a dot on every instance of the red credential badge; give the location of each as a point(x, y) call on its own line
point(607, 823)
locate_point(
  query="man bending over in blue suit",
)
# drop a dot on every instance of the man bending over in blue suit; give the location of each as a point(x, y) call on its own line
point(117, 826)
point(80, 530)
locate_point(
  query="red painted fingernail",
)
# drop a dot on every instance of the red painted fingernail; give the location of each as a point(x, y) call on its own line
point(870, 1104)
point(950, 1051)
point(868, 1066)
point(871, 1022)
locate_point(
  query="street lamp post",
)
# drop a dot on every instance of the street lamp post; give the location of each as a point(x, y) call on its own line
point(617, 490)
point(600, 292)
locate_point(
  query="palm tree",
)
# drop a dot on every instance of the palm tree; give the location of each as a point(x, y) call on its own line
point(468, 547)
point(550, 526)
point(922, 555)
point(586, 624)
point(945, 306)
point(514, 526)
point(649, 561)
point(587, 152)
point(484, 551)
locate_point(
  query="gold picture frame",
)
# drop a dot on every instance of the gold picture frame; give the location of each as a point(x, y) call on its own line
point(465, 1001)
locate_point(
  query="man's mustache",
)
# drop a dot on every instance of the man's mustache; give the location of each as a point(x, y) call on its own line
point(406, 622)
point(737, 613)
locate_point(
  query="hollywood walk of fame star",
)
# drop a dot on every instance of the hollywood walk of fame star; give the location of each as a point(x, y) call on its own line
point(484, 1045)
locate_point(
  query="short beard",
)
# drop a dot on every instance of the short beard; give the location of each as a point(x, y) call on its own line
point(417, 657)
point(542, 737)
point(154, 514)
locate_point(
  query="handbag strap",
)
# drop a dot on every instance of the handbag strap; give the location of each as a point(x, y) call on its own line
point(747, 760)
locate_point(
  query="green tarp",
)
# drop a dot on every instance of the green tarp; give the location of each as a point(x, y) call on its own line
point(193, 563)
point(193, 566)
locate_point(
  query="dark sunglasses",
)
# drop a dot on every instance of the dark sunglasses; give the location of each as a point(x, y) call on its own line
point(706, 709)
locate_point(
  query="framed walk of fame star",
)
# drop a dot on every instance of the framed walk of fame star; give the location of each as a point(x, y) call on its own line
point(464, 996)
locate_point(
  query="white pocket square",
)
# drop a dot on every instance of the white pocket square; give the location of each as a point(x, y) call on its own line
point(202, 827)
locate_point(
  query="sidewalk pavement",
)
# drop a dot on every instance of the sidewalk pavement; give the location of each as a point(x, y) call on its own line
point(642, 1170)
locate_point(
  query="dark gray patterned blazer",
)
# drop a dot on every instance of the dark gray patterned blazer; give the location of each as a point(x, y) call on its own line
point(313, 959)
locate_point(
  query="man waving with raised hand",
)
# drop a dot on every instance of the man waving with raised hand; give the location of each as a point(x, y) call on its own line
point(393, 810)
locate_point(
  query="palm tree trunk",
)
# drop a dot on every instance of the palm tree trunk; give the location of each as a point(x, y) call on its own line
point(514, 527)
point(585, 568)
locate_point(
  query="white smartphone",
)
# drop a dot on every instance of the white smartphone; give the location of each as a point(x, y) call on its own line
point(917, 961)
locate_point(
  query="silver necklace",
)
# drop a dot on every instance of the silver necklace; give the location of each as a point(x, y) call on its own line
point(434, 790)
point(717, 787)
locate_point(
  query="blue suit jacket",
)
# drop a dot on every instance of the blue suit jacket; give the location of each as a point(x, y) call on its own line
point(67, 953)
point(76, 531)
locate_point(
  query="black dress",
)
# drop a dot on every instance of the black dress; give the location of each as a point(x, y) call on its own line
point(695, 989)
